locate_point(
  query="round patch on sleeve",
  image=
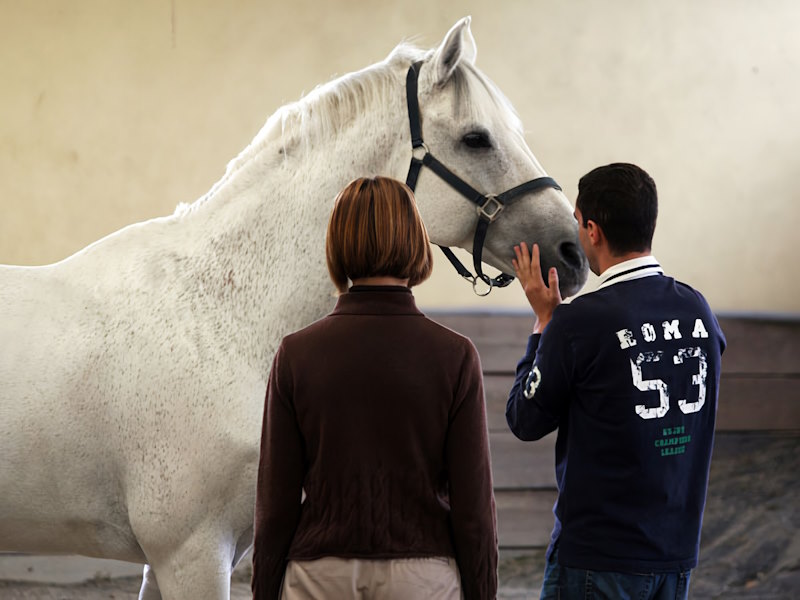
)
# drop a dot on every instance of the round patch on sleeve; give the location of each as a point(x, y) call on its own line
point(532, 382)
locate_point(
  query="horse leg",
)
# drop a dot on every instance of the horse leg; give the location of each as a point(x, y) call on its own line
point(149, 589)
point(199, 569)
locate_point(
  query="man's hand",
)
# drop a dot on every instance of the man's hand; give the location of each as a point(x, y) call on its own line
point(542, 299)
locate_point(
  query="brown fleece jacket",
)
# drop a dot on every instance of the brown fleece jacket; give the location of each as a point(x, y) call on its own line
point(378, 414)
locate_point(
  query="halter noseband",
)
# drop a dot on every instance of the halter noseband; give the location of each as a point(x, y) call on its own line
point(488, 206)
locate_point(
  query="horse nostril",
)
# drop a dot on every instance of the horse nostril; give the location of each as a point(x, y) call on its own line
point(571, 255)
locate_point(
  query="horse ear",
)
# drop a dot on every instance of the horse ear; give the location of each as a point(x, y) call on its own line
point(457, 45)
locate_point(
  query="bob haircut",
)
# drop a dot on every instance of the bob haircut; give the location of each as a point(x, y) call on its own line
point(375, 230)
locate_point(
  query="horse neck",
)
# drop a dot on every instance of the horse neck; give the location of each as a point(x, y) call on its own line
point(261, 257)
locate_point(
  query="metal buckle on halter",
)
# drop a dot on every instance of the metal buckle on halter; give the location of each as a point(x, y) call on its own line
point(494, 211)
point(419, 152)
point(485, 280)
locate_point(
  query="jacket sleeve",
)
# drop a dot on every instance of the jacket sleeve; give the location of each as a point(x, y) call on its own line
point(472, 506)
point(543, 385)
point(280, 482)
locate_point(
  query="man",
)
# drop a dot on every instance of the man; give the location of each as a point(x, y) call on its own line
point(628, 374)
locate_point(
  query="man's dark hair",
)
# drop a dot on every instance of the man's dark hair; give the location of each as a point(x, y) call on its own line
point(622, 199)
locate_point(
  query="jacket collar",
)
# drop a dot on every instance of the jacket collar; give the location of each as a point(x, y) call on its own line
point(377, 300)
point(635, 268)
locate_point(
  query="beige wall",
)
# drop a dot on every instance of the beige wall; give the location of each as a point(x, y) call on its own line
point(114, 111)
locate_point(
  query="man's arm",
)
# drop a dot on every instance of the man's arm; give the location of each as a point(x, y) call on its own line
point(542, 385)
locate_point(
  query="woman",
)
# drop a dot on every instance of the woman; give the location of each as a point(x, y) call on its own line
point(377, 414)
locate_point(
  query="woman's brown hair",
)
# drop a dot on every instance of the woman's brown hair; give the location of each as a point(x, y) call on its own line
point(375, 230)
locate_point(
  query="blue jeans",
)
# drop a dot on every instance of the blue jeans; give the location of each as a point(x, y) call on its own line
point(567, 583)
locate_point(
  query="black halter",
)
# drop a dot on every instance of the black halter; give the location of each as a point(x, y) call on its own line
point(489, 206)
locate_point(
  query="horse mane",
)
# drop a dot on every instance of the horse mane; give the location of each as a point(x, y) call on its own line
point(322, 112)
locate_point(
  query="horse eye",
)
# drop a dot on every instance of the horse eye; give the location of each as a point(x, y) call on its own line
point(477, 139)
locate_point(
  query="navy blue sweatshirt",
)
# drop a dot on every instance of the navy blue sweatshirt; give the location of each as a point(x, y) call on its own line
point(629, 376)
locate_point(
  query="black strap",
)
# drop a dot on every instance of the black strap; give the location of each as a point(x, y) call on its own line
point(501, 280)
point(533, 185)
point(461, 186)
point(458, 184)
point(413, 105)
point(462, 270)
point(466, 190)
point(413, 173)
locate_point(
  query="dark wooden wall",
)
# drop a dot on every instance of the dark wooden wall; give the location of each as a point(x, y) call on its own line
point(759, 391)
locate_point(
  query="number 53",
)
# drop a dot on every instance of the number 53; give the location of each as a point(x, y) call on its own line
point(646, 385)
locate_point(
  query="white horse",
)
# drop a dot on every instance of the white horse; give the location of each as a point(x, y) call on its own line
point(132, 374)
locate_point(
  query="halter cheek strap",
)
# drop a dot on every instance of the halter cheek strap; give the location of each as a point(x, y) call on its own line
point(488, 207)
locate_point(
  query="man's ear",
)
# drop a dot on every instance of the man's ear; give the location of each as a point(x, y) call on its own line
point(596, 235)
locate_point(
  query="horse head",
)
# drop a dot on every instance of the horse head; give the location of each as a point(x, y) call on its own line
point(472, 129)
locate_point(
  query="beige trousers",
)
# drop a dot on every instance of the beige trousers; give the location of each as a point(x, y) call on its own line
point(334, 578)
